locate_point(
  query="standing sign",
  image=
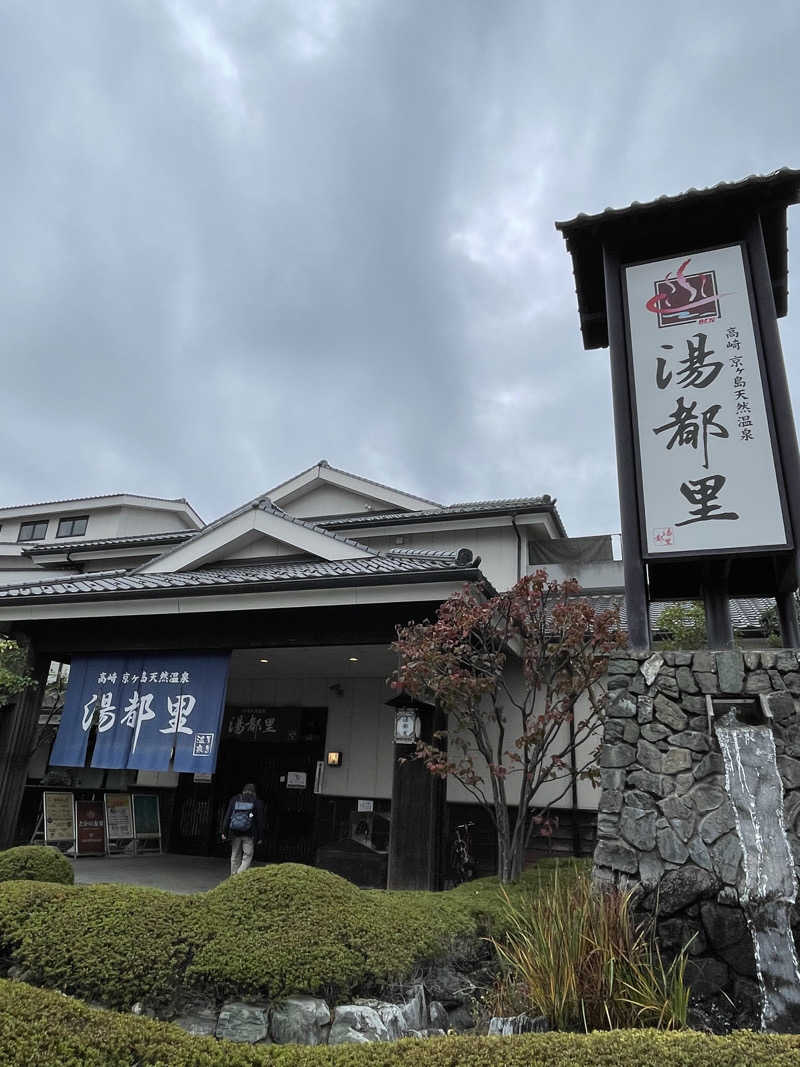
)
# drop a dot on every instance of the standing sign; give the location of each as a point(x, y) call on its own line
point(146, 818)
point(59, 816)
point(91, 828)
point(706, 466)
point(151, 712)
point(119, 816)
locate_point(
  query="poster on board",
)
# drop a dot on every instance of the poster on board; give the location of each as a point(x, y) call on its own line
point(119, 816)
point(59, 816)
point(91, 840)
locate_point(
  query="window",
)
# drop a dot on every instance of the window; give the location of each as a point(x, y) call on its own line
point(33, 531)
point(72, 527)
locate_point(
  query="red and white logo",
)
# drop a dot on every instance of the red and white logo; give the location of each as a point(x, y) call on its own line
point(665, 536)
point(685, 298)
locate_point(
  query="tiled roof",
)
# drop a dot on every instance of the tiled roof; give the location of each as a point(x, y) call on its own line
point(95, 496)
point(745, 612)
point(697, 218)
point(110, 542)
point(305, 572)
point(446, 511)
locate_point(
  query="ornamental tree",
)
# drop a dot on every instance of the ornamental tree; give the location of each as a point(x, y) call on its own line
point(509, 670)
point(14, 676)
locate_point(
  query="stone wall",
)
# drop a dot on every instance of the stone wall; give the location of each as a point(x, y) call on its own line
point(665, 822)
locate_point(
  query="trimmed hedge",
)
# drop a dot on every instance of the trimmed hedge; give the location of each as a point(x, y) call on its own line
point(42, 1029)
point(37, 863)
point(270, 931)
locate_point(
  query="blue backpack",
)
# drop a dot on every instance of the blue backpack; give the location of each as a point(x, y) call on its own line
point(243, 817)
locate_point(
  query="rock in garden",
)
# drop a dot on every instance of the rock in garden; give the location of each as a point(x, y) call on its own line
point(638, 828)
point(651, 666)
point(300, 1020)
point(241, 1022)
point(730, 669)
point(437, 1016)
point(415, 1010)
point(355, 1024)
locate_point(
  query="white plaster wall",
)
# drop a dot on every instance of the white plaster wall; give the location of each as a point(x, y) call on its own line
point(588, 794)
point(332, 500)
point(359, 725)
point(260, 548)
point(497, 547)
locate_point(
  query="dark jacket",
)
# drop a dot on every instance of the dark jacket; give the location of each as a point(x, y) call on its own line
point(258, 822)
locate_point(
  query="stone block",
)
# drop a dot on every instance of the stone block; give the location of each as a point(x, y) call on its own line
point(637, 798)
point(707, 682)
point(726, 858)
point(710, 764)
point(792, 682)
point(708, 977)
point(685, 680)
point(730, 671)
point(618, 681)
point(728, 935)
point(717, 823)
point(644, 710)
point(607, 824)
point(668, 687)
point(683, 887)
point(638, 686)
point(669, 657)
point(757, 682)
point(651, 666)
point(677, 760)
point(674, 807)
point(616, 755)
point(654, 731)
point(651, 869)
point(695, 705)
point(769, 659)
point(784, 661)
point(610, 800)
point(693, 739)
point(669, 713)
point(638, 828)
point(620, 706)
point(622, 666)
point(699, 854)
point(437, 1014)
point(617, 856)
point(683, 659)
point(789, 770)
point(683, 783)
point(670, 847)
point(612, 779)
point(656, 784)
point(776, 680)
point(782, 707)
point(703, 661)
point(649, 757)
point(709, 797)
point(752, 660)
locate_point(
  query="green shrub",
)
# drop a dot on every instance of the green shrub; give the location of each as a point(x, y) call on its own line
point(574, 955)
point(37, 863)
point(43, 1029)
point(111, 943)
point(269, 931)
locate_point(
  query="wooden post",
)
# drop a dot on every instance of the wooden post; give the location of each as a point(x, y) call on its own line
point(17, 728)
point(636, 599)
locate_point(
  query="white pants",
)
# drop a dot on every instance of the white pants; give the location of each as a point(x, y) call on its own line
point(242, 849)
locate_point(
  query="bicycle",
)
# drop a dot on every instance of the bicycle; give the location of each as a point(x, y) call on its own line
point(462, 862)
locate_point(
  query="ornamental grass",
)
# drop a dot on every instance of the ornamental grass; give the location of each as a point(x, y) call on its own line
point(575, 955)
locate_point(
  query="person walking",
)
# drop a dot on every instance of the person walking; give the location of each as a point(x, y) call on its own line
point(244, 824)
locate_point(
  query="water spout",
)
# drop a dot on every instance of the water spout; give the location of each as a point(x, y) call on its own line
point(767, 887)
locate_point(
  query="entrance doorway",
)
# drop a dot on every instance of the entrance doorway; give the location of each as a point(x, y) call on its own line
point(277, 749)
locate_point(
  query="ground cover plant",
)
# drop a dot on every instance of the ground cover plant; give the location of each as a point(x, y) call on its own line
point(577, 957)
point(274, 930)
point(39, 1028)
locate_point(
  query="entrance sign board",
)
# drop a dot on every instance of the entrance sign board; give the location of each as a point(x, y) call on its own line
point(59, 816)
point(275, 725)
point(119, 816)
point(153, 712)
point(707, 472)
point(91, 839)
point(146, 818)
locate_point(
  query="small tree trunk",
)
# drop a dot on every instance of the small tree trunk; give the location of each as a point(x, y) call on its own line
point(504, 858)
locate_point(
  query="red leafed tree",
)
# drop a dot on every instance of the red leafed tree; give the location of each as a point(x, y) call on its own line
point(509, 670)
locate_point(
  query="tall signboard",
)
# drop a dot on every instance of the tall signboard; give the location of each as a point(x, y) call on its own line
point(686, 292)
point(706, 463)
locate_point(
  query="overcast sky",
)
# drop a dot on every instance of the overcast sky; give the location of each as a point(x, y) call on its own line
point(240, 237)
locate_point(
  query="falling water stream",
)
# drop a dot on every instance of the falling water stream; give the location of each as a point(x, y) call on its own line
point(767, 888)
